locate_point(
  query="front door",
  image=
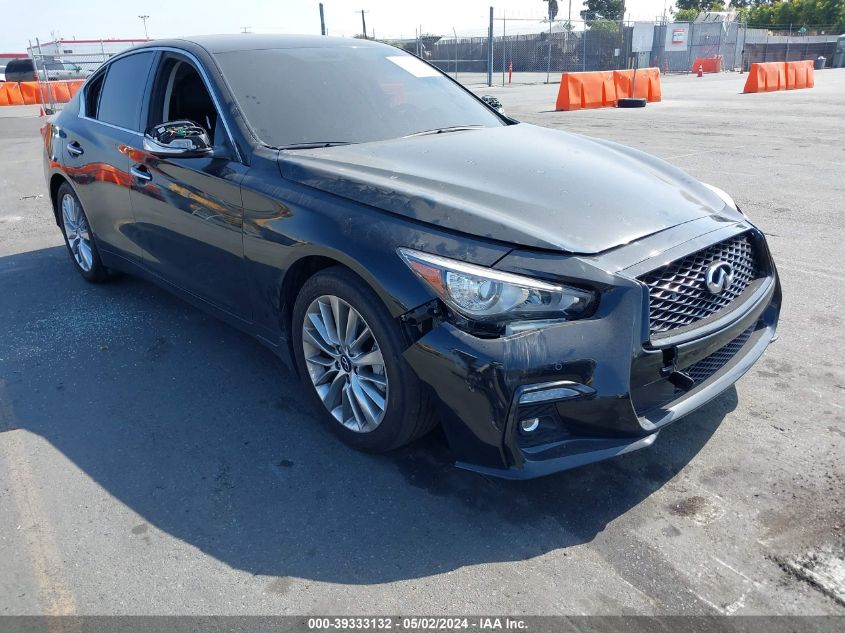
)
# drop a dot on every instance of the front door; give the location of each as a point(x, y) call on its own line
point(188, 212)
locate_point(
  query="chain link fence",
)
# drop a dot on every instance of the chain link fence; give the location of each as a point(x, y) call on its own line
point(503, 51)
point(61, 66)
point(59, 77)
point(536, 50)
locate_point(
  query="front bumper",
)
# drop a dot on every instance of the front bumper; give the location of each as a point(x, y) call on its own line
point(600, 387)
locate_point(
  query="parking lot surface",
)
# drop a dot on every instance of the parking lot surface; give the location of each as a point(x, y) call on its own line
point(155, 461)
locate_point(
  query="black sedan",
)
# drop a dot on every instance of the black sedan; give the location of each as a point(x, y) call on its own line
point(415, 255)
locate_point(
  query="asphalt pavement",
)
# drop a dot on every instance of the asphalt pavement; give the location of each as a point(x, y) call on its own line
point(155, 461)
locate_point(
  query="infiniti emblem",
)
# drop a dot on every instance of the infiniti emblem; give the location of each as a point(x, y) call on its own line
point(718, 277)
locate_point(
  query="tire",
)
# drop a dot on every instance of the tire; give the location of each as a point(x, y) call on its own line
point(408, 412)
point(79, 238)
point(631, 102)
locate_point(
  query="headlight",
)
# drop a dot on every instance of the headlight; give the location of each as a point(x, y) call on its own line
point(723, 195)
point(487, 295)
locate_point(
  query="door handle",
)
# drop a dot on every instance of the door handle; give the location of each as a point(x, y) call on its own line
point(141, 173)
point(74, 149)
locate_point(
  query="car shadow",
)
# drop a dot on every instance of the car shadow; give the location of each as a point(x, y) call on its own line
point(203, 433)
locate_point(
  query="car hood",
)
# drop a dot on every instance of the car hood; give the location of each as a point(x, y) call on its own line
point(521, 184)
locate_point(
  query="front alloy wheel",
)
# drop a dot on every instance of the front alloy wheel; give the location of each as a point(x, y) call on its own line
point(349, 352)
point(345, 363)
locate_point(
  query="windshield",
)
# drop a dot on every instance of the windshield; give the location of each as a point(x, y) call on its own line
point(345, 94)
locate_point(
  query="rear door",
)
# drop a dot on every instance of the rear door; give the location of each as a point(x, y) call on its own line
point(188, 211)
point(96, 150)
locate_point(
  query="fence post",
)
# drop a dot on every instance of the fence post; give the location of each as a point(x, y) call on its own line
point(504, 44)
point(456, 52)
point(584, 61)
point(490, 50)
point(35, 63)
point(49, 109)
point(786, 57)
point(549, 59)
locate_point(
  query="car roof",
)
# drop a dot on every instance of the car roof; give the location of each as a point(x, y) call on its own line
point(255, 42)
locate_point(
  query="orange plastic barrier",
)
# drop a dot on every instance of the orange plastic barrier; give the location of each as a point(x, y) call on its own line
point(811, 80)
point(796, 75)
point(766, 77)
point(594, 89)
point(28, 93)
point(29, 90)
point(60, 92)
point(647, 85)
point(780, 76)
point(74, 86)
point(13, 94)
point(708, 64)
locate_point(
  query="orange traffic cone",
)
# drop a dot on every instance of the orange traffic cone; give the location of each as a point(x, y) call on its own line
point(700, 70)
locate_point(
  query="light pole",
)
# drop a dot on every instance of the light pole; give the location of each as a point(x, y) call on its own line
point(363, 22)
point(144, 19)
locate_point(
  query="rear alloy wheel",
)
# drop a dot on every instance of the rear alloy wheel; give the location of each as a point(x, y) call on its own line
point(348, 351)
point(78, 236)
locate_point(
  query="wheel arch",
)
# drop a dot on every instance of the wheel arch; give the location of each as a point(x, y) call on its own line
point(395, 300)
point(56, 181)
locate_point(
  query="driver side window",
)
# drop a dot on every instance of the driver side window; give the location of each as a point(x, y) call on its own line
point(180, 94)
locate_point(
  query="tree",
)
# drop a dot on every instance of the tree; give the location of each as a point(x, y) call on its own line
point(686, 15)
point(688, 10)
point(769, 13)
point(700, 5)
point(603, 9)
point(606, 26)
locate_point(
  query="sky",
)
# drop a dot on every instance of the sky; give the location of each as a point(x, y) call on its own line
point(95, 19)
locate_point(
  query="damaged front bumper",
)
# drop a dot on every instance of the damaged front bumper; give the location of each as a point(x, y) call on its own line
point(582, 391)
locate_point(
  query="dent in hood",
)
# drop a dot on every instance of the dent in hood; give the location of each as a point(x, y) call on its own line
point(521, 184)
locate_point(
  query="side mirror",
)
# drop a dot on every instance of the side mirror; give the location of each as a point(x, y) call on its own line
point(178, 139)
point(493, 102)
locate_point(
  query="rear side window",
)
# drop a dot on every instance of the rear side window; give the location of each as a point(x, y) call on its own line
point(92, 95)
point(121, 94)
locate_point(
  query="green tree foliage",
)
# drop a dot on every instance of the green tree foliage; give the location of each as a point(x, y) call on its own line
point(607, 26)
point(603, 9)
point(686, 15)
point(690, 6)
point(765, 13)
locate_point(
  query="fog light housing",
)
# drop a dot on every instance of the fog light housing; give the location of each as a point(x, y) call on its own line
point(529, 425)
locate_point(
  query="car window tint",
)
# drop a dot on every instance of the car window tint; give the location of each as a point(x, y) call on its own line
point(120, 101)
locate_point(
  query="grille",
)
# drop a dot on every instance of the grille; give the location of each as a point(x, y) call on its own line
point(709, 365)
point(678, 296)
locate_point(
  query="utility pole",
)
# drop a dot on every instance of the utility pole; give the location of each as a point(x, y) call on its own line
point(322, 21)
point(144, 19)
point(246, 29)
point(364, 23)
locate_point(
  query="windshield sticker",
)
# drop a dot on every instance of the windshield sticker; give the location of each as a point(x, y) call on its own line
point(414, 66)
